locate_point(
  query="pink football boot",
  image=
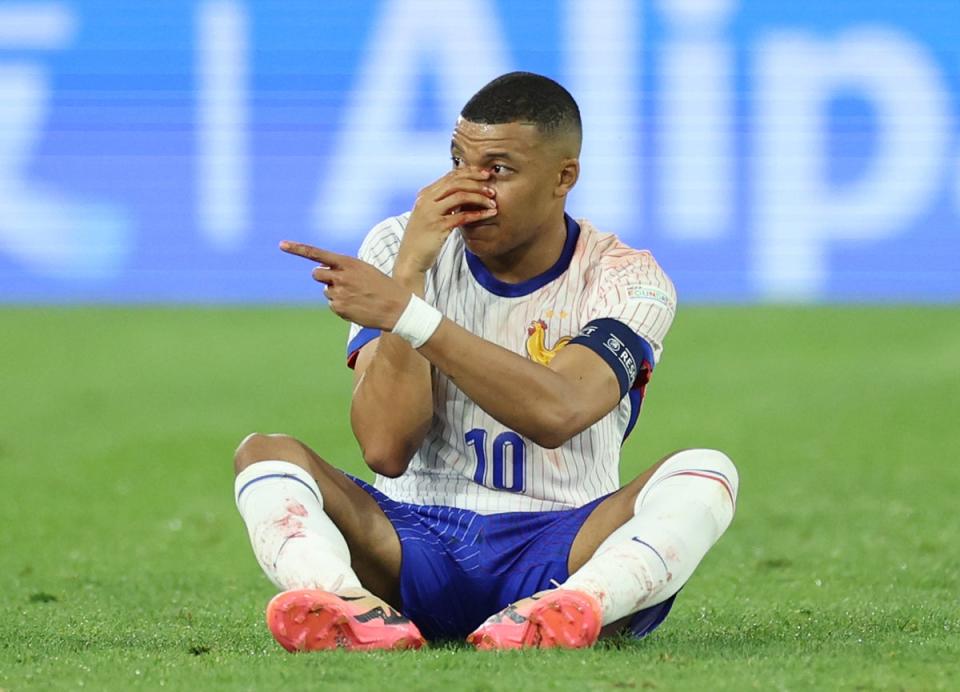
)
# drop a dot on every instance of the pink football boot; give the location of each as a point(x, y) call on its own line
point(557, 618)
point(314, 620)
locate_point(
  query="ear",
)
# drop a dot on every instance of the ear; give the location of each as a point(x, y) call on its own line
point(567, 177)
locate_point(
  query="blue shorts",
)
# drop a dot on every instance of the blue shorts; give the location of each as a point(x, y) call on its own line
point(459, 567)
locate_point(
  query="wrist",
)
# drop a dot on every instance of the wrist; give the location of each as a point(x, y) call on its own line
point(418, 322)
point(410, 277)
point(411, 262)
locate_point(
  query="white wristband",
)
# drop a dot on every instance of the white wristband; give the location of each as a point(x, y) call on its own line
point(418, 321)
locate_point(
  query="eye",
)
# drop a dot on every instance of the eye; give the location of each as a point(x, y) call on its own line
point(499, 169)
point(456, 161)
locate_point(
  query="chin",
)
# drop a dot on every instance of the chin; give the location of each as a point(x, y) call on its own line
point(480, 236)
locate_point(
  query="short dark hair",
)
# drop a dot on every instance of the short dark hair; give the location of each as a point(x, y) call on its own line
point(525, 97)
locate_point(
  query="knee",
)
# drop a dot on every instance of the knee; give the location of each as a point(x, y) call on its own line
point(259, 447)
point(706, 459)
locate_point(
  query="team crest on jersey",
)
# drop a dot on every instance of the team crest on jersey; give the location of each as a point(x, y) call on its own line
point(537, 347)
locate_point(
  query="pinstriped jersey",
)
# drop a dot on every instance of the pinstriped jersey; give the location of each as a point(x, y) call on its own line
point(470, 460)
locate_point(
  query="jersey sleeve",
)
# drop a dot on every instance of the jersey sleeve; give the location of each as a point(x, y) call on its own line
point(631, 310)
point(379, 248)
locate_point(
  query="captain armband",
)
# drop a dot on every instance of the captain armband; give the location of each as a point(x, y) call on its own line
point(622, 348)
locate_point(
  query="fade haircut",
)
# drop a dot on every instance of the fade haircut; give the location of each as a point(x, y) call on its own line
point(529, 98)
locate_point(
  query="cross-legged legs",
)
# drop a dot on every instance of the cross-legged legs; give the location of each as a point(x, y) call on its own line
point(636, 550)
point(326, 543)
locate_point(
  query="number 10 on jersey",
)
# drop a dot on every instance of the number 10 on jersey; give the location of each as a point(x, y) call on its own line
point(507, 446)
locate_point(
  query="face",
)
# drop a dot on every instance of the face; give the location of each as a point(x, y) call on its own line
point(529, 174)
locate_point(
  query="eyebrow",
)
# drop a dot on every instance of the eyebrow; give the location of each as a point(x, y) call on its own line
point(498, 155)
point(493, 154)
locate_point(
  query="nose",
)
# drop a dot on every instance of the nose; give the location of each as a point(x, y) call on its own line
point(479, 169)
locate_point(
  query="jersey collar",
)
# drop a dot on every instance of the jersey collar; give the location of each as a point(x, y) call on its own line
point(508, 290)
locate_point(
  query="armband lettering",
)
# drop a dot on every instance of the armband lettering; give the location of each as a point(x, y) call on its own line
point(626, 352)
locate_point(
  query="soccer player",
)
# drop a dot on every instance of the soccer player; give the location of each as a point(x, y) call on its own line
point(501, 350)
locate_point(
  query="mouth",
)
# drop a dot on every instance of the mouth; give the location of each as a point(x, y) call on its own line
point(480, 223)
point(478, 230)
point(492, 221)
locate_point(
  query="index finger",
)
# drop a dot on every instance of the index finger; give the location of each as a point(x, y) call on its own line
point(330, 259)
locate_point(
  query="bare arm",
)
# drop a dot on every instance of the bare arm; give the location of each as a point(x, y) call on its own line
point(392, 403)
point(547, 404)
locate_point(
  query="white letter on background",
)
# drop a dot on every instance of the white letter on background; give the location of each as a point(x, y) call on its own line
point(223, 175)
point(601, 61)
point(49, 231)
point(695, 120)
point(378, 155)
point(798, 215)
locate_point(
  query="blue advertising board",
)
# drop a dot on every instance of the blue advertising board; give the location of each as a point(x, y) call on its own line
point(763, 150)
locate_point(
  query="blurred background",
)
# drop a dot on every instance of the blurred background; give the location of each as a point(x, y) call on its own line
point(153, 153)
point(764, 150)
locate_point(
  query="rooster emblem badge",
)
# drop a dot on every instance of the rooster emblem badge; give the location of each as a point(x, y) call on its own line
point(537, 343)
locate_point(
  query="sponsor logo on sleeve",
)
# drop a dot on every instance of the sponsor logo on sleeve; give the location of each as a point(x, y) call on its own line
point(649, 294)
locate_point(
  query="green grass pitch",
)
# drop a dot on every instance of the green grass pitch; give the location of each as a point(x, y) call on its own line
point(125, 565)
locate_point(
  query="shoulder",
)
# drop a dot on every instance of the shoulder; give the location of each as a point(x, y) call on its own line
point(387, 232)
point(380, 245)
point(615, 267)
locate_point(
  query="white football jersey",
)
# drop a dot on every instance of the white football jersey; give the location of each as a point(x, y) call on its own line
point(472, 461)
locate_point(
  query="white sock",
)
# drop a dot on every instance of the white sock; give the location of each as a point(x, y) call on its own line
point(681, 512)
point(295, 542)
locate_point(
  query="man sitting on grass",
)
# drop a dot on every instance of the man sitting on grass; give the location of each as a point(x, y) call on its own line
point(501, 350)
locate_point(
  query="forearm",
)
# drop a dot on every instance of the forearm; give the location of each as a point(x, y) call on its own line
point(529, 398)
point(392, 403)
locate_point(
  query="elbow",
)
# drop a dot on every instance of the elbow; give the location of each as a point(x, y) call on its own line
point(391, 467)
point(549, 441)
point(387, 453)
point(555, 428)
point(387, 461)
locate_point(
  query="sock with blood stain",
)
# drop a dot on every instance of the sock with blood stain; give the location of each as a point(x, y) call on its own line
point(678, 515)
point(295, 542)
